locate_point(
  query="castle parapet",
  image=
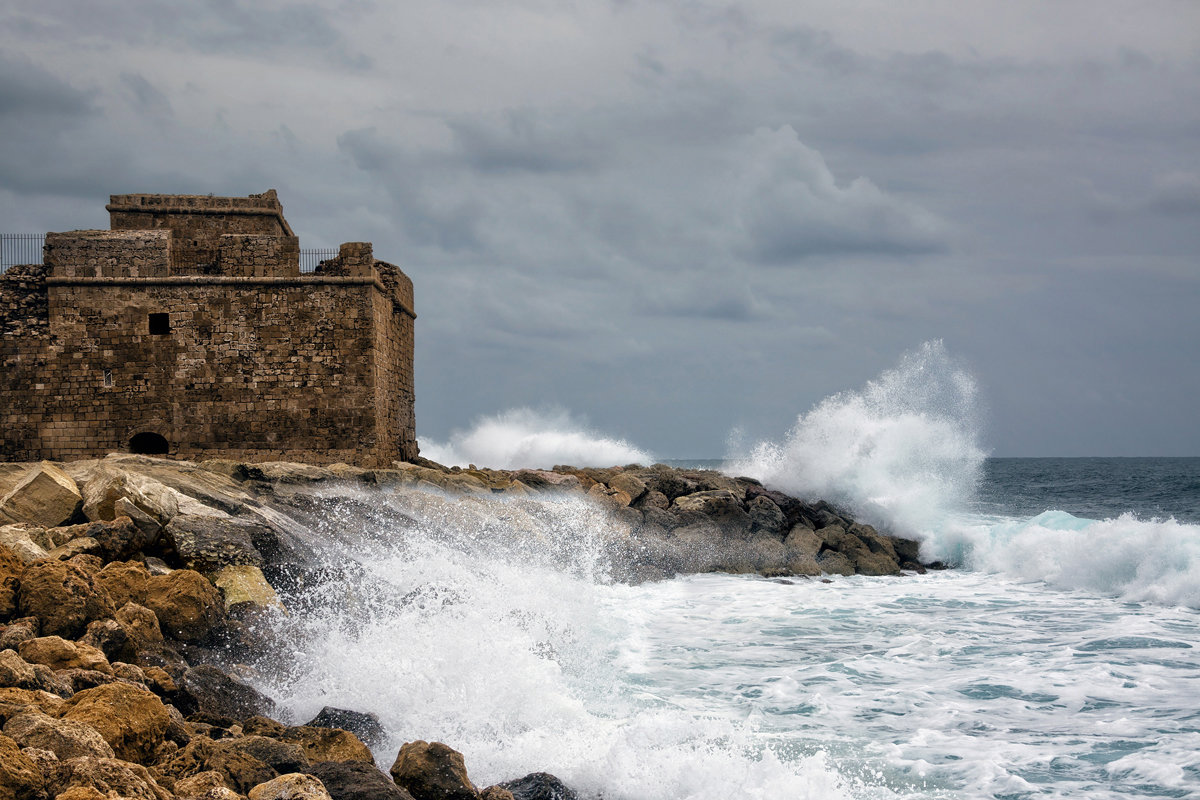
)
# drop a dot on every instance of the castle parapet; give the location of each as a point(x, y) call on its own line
point(108, 254)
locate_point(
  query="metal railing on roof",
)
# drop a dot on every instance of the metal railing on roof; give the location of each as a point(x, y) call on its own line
point(20, 248)
point(311, 259)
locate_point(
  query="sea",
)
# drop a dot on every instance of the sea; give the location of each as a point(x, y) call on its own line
point(1058, 657)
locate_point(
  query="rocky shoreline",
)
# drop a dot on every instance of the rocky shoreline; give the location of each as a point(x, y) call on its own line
point(132, 587)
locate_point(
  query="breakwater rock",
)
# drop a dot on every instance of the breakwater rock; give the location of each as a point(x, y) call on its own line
point(134, 591)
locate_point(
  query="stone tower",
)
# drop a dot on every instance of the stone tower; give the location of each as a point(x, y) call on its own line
point(189, 330)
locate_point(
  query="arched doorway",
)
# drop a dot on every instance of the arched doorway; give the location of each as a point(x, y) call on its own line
point(149, 444)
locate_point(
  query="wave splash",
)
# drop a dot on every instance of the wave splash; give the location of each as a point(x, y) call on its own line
point(491, 624)
point(902, 452)
point(525, 438)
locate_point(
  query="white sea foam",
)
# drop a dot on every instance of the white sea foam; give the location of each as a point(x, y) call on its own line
point(490, 625)
point(903, 451)
point(522, 437)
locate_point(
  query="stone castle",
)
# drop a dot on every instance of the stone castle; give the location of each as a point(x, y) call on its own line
point(189, 330)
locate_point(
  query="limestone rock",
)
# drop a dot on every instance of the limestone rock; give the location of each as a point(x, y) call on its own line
point(20, 778)
point(111, 778)
point(628, 483)
point(365, 725)
point(329, 744)
point(130, 718)
point(432, 771)
point(111, 638)
point(354, 780)
point(44, 496)
point(65, 738)
point(19, 541)
point(496, 793)
point(803, 542)
point(188, 607)
point(213, 691)
point(283, 757)
point(15, 671)
point(239, 770)
point(765, 516)
point(835, 563)
point(63, 596)
point(117, 539)
point(200, 786)
point(722, 506)
point(17, 631)
point(58, 653)
point(245, 588)
point(141, 624)
point(293, 786)
point(539, 786)
point(15, 701)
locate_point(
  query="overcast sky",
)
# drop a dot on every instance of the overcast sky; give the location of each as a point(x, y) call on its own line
point(678, 218)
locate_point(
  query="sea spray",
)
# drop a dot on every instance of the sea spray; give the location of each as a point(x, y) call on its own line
point(524, 438)
point(493, 625)
point(901, 452)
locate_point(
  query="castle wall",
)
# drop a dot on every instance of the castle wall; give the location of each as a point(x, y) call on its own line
point(191, 321)
point(249, 369)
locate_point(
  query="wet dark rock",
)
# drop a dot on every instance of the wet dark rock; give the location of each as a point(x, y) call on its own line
point(364, 725)
point(353, 780)
point(207, 688)
point(540, 786)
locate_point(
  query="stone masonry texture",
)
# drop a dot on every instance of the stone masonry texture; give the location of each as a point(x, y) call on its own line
point(190, 321)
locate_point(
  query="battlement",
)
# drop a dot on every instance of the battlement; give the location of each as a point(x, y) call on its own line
point(190, 324)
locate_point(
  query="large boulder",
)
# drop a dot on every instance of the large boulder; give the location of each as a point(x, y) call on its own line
point(130, 718)
point(432, 771)
point(294, 786)
point(44, 496)
point(188, 607)
point(354, 780)
point(64, 596)
point(63, 737)
point(20, 778)
point(213, 691)
point(283, 757)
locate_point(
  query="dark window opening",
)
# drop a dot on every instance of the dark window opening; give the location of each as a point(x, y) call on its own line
point(150, 444)
point(108, 379)
point(160, 324)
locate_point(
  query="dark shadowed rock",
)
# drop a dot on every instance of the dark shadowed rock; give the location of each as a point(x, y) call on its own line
point(209, 543)
point(364, 725)
point(540, 786)
point(432, 771)
point(353, 780)
point(207, 688)
point(766, 517)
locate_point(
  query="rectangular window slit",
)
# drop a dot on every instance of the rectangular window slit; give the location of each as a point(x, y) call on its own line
point(160, 324)
point(108, 382)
